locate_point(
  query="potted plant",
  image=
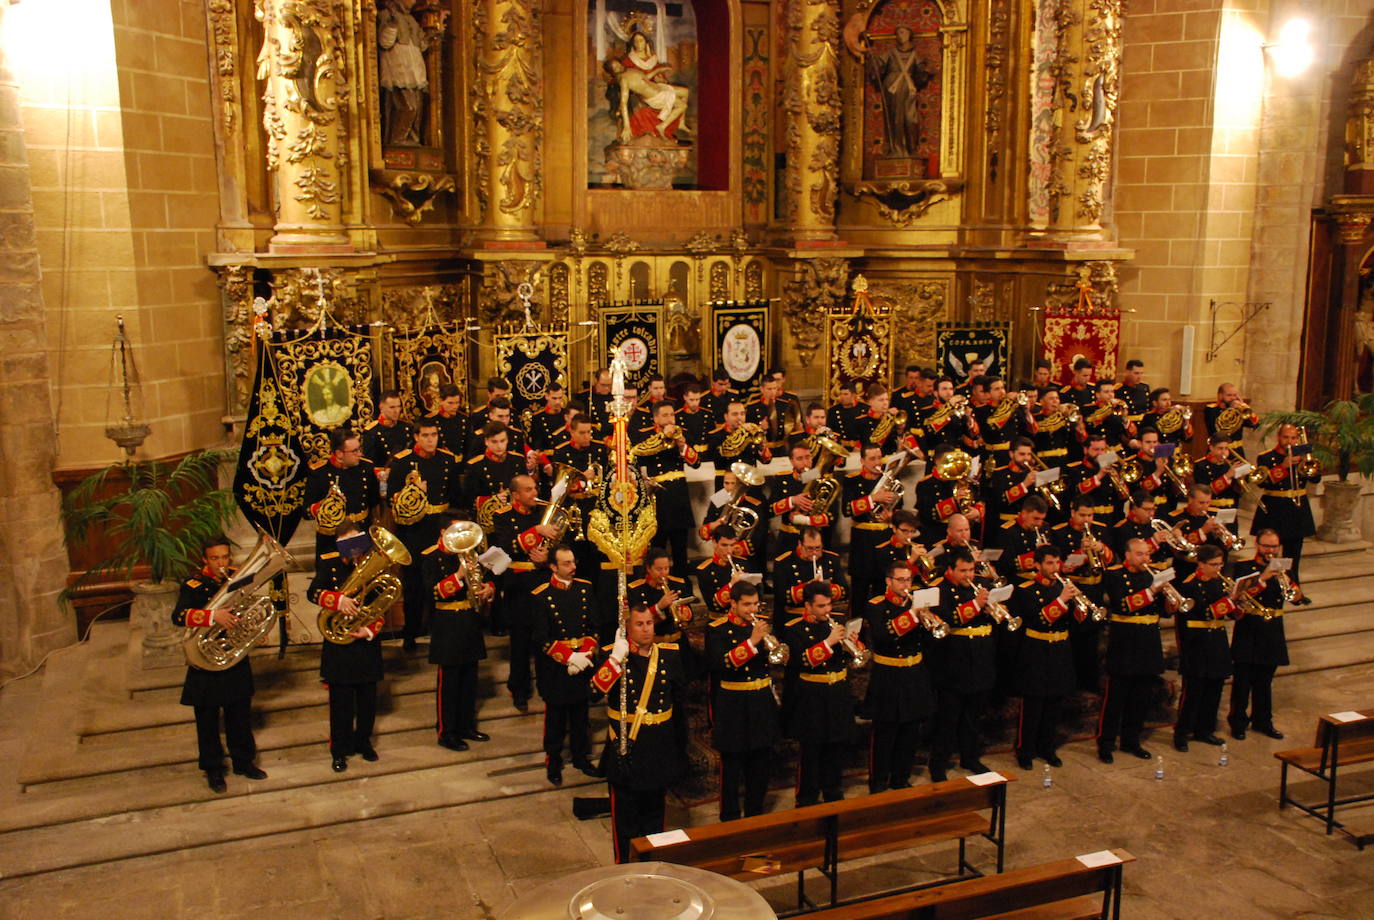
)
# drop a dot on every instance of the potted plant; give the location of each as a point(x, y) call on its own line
point(154, 515)
point(1342, 438)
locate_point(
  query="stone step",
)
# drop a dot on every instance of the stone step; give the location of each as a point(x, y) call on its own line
point(1324, 652)
point(295, 796)
point(1321, 621)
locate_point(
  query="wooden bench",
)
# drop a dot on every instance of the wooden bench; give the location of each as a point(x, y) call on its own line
point(1343, 739)
point(822, 836)
point(1081, 888)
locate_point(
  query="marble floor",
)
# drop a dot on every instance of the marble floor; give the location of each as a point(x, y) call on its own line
point(1209, 840)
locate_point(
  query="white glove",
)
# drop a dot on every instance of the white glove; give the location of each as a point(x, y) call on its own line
point(621, 649)
point(578, 662)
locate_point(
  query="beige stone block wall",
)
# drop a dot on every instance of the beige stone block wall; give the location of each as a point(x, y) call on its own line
point(125, 201)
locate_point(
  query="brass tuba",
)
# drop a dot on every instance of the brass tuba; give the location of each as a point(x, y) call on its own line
point(741, 519)
point(370, 584)
point(561, 512)
point(217, 648)
point(825, 488)
point(466, 540)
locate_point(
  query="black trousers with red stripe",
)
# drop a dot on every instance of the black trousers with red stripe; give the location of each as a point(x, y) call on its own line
point(892, 754)
point(566, 719)
point(456, 700)
point(1197, 707)
point(1035, 736)
point(1124, 704)
point(819, 770)
point(634, 813)
point(1252, 696)
point(746, 769)
point(352, 715)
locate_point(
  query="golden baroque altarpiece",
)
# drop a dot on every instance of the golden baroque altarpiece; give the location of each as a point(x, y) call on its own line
point(418, 161)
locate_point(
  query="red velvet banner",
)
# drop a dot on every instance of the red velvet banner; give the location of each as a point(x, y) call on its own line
point(1076, 332)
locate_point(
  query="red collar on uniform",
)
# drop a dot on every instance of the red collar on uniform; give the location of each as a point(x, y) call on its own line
point(559, 583)
point(443, 414)
point(736, 619)
point(422, 454)
point(715, 558)
point(866, 474)
point(690, 410)
point(488, 454)
point(519, 508)
point(874, 413)
point(893, 598)
point(1042, 580)
point(333, 461)
point(385, 423)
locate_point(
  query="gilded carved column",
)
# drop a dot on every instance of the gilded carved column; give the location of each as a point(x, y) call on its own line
point(813, 106)
point(508, 112)
point(1076, 59)
point(305, 66)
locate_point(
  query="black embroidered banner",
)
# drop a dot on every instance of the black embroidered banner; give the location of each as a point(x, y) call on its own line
point(740, 337)
point(958, 346)
point(269, 484)
point(531, 360)
point(636, 332)
point(425, 360)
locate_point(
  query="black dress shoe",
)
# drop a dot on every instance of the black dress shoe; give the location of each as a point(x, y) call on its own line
point(1304, 601)
point(900, 784)
point(409, 644)
point(475, 735)
point(216, 782)
point(251, 772)
point(1180, 744)
point(1025, 761)
point(369, 754)
point(1053, 760)
point(1138, 751)
point(975, 766)
point(1238, 733)
point(938, 773)
point(453, 744)
point(1213, 740)
point(1269, 731)
point(340, 763)
point(1105, 755)
point(588, 768)
point(522, 704)
point(555, 774)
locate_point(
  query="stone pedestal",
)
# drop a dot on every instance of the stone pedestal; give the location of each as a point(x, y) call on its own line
point(1340, 519)
point(151, 614)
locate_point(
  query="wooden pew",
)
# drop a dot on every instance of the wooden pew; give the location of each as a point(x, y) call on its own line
point(1081, 888)
point(1343, 739)
point(822, 836)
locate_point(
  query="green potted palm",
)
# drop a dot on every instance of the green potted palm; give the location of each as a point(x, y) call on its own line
point(1342, 438)
point(149, 516)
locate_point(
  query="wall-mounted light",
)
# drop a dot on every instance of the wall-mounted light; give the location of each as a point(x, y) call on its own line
point(1292, 53)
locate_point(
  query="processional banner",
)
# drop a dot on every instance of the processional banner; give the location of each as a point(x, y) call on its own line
point(1082, 331)
point(739, 342)
point(531, 360)
point(858, 343)
point(269, 483)
point(958, 346)
point(635, 332)
point(426, 359)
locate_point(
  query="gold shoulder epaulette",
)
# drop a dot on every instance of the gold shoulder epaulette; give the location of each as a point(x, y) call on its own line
point(719, 620)
point(781, 556)
point(636, 583)
point(669, 646)
point(1007, 525)
point(830, 552)
point(874, 600)
point(401, 453)
point(706, 564)
point(472, 460)
point(316, 464)
point(373, 424)
point(445, 450)
point(1060, 526)
point(681, 581)
point(365, 460)
point(540, 588)
point(193, 583)
point(1114, 568)
point(582, 581)
point(329, 555)
point(794, 621)
point(429, 549)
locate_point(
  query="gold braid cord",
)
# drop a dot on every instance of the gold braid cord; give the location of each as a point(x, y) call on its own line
point(622, 501)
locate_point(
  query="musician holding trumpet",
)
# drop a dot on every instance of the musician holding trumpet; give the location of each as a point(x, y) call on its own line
point(1258, 645)
point(899, 696)
point(1204, 657)
point(817, 710)
point(1047, 604)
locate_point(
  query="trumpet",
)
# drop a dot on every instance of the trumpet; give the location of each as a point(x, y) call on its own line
point(1291, 591)
point(1051, 490)
point(1118, 478)
point(859, 654)
point(1309, 467)
point(929, 621)
point(1247, 603)
point(1171, 537)
point(1232, 542)
point(777, 650)
point(958, 406)
point(1071, 415)
point(1002, 614)
point(1082, 605)
point(1091, 548)
point(1178, 601)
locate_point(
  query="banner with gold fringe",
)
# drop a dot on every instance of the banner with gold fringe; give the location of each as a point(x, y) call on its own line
point(740, 339)
point(531, 359)
point(269, 482)
point(635, 332)
point(1083, 329)
point(426, 359)
point(858, 342)
point(958, 346)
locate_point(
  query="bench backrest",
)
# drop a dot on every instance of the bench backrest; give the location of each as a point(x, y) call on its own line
point(988, 895)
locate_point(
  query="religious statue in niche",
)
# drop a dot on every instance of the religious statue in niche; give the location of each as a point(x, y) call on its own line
point(408, 45)
point(642, 94)
point(901, 100)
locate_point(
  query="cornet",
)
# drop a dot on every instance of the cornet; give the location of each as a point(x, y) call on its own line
point(1001, 614)
point(1082, 605)
point(859, 655)
point(777, 650)
point(1177, 601)
point(1231, 541)
point(1171, 537)
point(932, 623)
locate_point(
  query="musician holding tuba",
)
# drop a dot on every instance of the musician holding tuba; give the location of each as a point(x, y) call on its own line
point(350, 671)
point(1204, 656)
point(209, 692)
point(743, 512)
point(899, 697)
point(666, 595)
point(458, 583)
point(870, 508)
point(948, 489)
point(817, 710)
point(1044, 669)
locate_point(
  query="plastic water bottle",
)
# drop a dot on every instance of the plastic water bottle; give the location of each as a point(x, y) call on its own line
point(1224, 758)
point(1159, 769)
point(1046, 778)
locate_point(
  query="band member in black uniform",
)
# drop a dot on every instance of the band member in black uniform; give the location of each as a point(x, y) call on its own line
point(879, 425)
point(735, 441)
point(655, 723)
point(347, 469)
point(498, 388)
point(1107, 416)
point(1135, 652)
point(1152, 478)
point(788, 500)
point(938, 499)
point(1258, 645)
point(817, 710)
point(388, 434)
point(449, 418)
point(1059, 431)
point(581, 452)
point(716, 400)
point(696, 422)
point(545, 424)
point(901, 546)
point(843, 417)
point(963, 669)
point(1003, 421)
point(809, 563)
point(664, 455)
point(1041, 377)
point(1019, 537)
point(423, 483)
point(668, 597)
point(1088, 479)
point(1229, 416)
point(870, 509)
point(771, 414)
point(488, 474)
point(899, 696)
point(717, 575)
point(564, 642)
point(209, 692)
point(1284, 505)
point(1134, 391)
point(520, 533)
point(903, 397)
point(1204, 659)
point(1087, 575)
point(948, 421)
point(1044, 658)
point(1217, 468)
point(456, 645)
point(597, 400)
point(1009, 486)
point(744, 711)
point(1173, 423)
point(975, 370)
point(349, 671)
point(779, 376)
point(749, 548)
point(1195, 523)
point(499, 413)
point(1080, 391)
point(1136, 526)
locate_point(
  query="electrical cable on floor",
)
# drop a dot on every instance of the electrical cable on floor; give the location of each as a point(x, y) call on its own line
point(44, 660)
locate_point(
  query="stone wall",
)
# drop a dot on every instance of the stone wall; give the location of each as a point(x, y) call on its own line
point(33, 564)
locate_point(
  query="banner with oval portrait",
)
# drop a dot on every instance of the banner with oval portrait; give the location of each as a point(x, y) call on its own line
point(739, 342)
point(325, 377)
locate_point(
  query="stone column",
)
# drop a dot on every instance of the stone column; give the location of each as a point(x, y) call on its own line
point(33, 562)
point(304, 64)
point(812, 101)
point(1076, 65)
point(508, 114)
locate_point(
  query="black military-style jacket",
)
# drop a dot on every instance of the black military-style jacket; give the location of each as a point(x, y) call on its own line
point(816, 705)
point(455, 631)
point(357, 483)
point(1226, 492)
point(791, 573)
point(356, 662)
point(1018, 549)
point(899, 680)
point(966, 659)
point(209, 688)
point(1257, 640)
point(1137, 399)
point(1203, 651)
point(666, 464)
point(381, 441)
point(442, 486)
point(484, 476)
point(544, 428)
point(1284, 504)
point(1044, 657)
point(562, 623)
point(658, 741)
point(666, 628)
point(744, 709)
point(453, 430)
point(1134, 646)
point(1232, 425)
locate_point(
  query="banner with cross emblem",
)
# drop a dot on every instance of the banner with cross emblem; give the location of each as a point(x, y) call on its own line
point(858, 342)
point(635, 333)
point(740, 336)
